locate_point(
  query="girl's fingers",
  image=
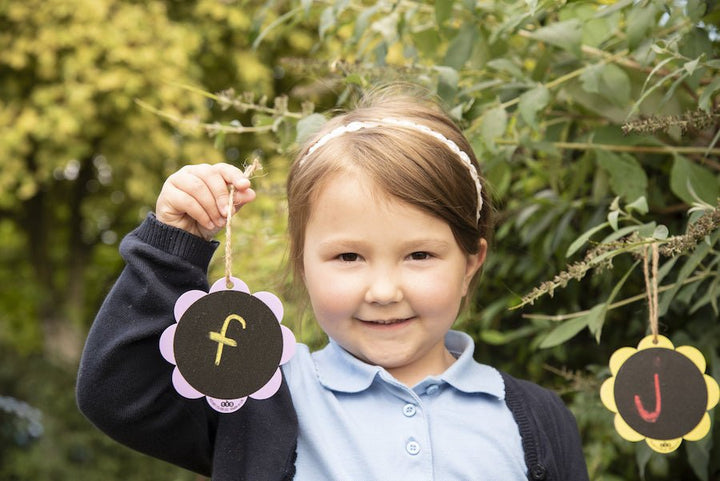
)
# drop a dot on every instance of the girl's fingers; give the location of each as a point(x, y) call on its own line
point(227, 175)
point(193, 183)
point(196, 196)
point(184, 210)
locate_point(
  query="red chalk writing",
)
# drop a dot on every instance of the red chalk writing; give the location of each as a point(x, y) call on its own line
point(650, 416)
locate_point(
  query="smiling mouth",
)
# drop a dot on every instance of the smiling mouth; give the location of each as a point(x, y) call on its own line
point(386, 322)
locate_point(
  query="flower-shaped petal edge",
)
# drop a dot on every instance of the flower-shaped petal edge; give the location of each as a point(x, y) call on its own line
point(270, 388)
point(237, 285)
point(167, 338)
point(289, 344)
point(183, 387)
point(185, 301)
point(273, 302)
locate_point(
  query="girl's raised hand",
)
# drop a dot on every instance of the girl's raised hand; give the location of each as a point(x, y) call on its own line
point(195, 198)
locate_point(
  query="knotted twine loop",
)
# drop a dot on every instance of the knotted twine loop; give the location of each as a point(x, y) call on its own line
point(651, 286)
point(249, 171)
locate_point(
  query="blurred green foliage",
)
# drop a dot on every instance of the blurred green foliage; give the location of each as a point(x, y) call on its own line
point(597, 124)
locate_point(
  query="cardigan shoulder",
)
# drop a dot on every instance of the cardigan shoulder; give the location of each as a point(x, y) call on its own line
point(550, 437)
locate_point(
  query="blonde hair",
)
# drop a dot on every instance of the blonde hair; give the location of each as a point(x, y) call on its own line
point(405, 164)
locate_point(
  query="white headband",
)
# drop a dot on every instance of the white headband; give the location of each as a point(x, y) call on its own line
point(355, 126)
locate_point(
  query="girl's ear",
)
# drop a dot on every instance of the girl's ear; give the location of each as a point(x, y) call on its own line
point(474, 263)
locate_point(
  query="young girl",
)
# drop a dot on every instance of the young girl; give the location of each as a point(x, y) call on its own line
point(388, 221)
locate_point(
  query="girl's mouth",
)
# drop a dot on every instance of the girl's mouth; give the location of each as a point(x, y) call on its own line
point(387, 322)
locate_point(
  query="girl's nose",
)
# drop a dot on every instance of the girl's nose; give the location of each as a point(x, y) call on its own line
point(384, 288)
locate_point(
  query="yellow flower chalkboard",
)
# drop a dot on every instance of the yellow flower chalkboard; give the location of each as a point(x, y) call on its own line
point(660, 393)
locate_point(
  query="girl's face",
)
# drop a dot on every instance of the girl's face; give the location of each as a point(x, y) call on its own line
point(385, 279)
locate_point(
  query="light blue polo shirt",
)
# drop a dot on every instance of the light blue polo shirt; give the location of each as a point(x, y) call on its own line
point(358, 423)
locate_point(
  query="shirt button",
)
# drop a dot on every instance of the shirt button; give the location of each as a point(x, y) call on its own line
point(412, 447)
point(409, 410)
point(538, 472)
point(432, 390)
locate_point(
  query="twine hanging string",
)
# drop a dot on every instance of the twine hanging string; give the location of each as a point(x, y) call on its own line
point(651, 286)
point(249, 171)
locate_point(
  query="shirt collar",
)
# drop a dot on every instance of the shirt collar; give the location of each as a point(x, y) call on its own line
point(466, 374)
point(339, 370)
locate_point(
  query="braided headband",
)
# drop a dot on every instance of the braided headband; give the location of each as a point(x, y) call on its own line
point(355, 126)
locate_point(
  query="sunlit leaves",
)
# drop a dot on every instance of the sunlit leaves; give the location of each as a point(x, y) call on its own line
point(532, 102)
point(566, 35)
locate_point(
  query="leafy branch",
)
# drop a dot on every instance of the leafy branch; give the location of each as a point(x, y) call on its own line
point(601, 255)
point(697, 120)
point(621, 303)
point(242, 103)
point(636, 149)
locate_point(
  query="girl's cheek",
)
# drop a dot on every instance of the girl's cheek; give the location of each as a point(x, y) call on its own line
point(330, 292)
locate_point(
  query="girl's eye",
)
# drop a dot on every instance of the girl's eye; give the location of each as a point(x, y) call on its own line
point(419, 256)
point(348, 257)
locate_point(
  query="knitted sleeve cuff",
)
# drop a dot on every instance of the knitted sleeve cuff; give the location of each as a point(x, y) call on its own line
point(177, 242)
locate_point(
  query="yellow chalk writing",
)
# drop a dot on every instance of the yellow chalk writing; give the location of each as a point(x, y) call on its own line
point(222, 339)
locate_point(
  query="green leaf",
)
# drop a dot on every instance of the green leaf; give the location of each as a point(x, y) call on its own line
point(505, 65)
point(531, 102)
point(661, 232)
point(355, 79)
point(639, 205)
point(307, 127)
point(596, 319)
point(641, 18)
point(624, 231)
point(704, 102)
point(691, 66)
point(711, 296)
point(495, 337)
point(443, 9)
point(580, 241)
point(361, 24)
point(692, 182)
point(426, 41)
point(461, 46)
point(532, 5)
point(327, 21)
point(219, 142)
point(627, 178)
point(613, 219)
point(687, 269)
point(387, 26)
point(695, 9)
point(447, 82)
point(564, 331)
point(493, 124)
point(566, 35)
point(591, 78)
point(596, 316)
point(616, 85)
point(597, 30)
point(698, 456)
point(643, 453)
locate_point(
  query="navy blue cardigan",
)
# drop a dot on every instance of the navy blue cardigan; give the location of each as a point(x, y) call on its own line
point(124, 385)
